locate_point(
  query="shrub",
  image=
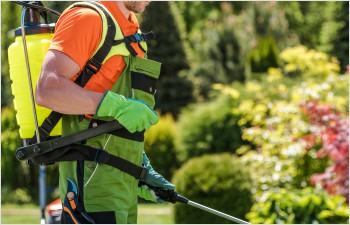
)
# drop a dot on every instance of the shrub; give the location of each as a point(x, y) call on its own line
point(160, 146)
point(284, 171)
point(18, 196)
point(308, 62)
point(12, 173)
point(208, 128)
point(218, 181)
point(332, 129)
point(20, 179)
point(299, 206)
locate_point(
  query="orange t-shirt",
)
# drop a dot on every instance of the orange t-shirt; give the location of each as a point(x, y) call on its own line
point(78, 33)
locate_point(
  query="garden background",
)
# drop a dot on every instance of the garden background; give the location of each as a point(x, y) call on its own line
point(253, 101)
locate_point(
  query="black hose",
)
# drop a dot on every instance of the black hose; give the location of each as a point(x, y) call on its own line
point(42, 8)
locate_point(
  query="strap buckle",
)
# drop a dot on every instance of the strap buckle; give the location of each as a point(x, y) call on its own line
point(133, 38)
point(142, 173)
point(93, 66)
point(137, 37)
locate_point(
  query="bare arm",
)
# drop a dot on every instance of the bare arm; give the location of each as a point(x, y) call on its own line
point(55, 89)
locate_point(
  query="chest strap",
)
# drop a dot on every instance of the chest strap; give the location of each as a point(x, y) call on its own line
point(135, 38)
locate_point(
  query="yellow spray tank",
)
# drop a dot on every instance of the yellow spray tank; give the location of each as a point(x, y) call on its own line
point(38, 38)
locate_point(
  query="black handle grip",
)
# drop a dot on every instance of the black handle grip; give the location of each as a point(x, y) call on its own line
point(169, 195)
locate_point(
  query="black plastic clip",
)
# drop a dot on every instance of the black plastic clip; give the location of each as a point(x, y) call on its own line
point(143, 173)
point(93, 66)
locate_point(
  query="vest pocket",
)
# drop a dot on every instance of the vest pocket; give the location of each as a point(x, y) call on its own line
point(144, 76)
point(145, 66)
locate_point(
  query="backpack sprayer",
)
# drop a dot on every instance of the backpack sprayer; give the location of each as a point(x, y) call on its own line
point(34, 38)
point(26, 55)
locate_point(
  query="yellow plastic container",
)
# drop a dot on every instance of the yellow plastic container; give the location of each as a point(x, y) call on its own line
point(37, 46)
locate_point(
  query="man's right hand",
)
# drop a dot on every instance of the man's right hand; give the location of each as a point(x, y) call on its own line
point(133, 114)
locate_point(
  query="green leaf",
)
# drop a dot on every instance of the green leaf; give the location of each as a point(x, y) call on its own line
point(304, 201)
point(316, 199)
point(325, 214)
point(271, 219)
point(330, 204)
point(342, 211)
point(266, 208)
point(291, 219)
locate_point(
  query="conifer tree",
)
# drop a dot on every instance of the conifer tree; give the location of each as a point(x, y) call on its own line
point(174, 90)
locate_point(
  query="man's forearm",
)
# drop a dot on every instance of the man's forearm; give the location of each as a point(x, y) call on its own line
point(68, 98)
point(56, 90)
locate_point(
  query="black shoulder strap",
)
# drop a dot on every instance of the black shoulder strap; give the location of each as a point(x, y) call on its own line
point(95, 63)
point(91, 68)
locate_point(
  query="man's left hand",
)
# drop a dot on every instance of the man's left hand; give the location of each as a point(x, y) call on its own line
point(152, 179)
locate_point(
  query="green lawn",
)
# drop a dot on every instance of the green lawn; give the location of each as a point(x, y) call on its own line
point(30, 214)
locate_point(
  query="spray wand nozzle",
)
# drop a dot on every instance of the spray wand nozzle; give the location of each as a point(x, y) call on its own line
point(173, 197)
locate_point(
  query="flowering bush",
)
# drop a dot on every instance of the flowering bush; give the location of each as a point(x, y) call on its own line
point(299, 60)
point(330, 127)
point(308, 205)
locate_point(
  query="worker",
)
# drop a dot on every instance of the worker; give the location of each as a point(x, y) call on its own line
point(115, 91)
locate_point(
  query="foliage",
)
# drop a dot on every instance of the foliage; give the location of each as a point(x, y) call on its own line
point(18, 196)
point(16, 174)
point(234, 40)
point(263, 55)
point(217, 181)
point(228, 47)
point(174, 90)
point(10, 141)
point(7, 23)
point(160, 146)
point(320, 25)
point(13, 173)
point(273, 125)
point(267, 29)
point(329, 126)
point(216, 55)
point(282, 171)
point(207, 128)
point(335, 33)
point(300, 60)
point(299, 206)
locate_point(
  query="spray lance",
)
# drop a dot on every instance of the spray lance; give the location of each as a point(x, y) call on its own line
point(173, 197)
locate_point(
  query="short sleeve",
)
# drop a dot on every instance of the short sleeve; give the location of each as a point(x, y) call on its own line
point(77, 34)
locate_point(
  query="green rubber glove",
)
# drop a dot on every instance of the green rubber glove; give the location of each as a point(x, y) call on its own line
point(152, 178)
point(133, 114)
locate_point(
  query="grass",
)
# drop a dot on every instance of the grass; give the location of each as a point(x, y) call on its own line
point(30, 214)
point(155, 214)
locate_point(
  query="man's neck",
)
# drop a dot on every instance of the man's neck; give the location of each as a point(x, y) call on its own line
point(123, 9)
